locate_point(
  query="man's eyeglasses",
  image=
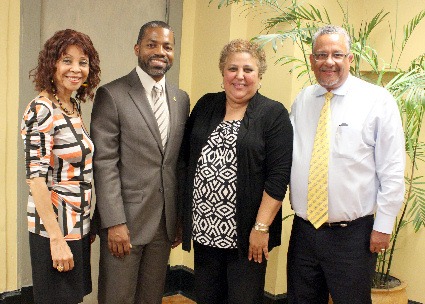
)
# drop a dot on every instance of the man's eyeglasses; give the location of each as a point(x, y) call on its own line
point(337, 57)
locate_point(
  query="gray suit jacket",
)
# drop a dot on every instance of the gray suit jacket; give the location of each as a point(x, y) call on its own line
point(134, 178)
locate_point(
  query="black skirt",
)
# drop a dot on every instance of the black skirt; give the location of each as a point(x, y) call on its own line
point(51, 286)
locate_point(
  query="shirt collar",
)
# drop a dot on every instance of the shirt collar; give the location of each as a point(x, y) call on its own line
point(147, 81)
point(341, 91)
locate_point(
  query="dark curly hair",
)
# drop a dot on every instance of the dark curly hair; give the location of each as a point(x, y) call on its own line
point(53, 50)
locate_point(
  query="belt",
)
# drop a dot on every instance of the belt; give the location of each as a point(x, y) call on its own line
point(342, 224)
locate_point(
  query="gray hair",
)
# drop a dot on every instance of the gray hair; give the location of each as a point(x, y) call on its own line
point(332, 29)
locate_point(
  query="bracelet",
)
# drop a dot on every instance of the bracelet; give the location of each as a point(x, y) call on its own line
point(262, 228)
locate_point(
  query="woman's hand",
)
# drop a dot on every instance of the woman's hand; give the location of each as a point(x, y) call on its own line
point(62, 257)
point(259, 237)
point(258, 244)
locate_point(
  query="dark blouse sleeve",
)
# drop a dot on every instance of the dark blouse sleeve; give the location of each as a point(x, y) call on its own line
point(37, 133)
point(279, 143)
point(183, 160)
point(199, 107)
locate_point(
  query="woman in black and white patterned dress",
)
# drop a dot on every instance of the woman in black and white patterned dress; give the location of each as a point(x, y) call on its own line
point(237, 152)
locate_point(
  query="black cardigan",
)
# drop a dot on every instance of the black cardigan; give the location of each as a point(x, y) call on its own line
point(264, 155)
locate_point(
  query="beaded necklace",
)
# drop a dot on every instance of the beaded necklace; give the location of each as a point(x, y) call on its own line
point(65, 109)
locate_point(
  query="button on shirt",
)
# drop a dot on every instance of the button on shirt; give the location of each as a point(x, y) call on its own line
point(367, 155)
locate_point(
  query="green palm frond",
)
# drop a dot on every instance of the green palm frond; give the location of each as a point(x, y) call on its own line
point(360, 47)
point(410, 85)
point(410, 27)
point(222, 3)
point(301, 13)
point(418, 62)
point(370, 26)
point(295, 34)
point(417, 211)
point(367, 54)
point(408, 88)
point(296, 65)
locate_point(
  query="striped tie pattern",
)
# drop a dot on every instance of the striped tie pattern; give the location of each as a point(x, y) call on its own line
point(160, 112)
point(317, 198)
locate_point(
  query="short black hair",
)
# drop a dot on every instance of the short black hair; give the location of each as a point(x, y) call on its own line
point(153, 24)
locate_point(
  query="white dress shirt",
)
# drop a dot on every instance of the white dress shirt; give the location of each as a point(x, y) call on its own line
point(148, 82)
point(367, 154)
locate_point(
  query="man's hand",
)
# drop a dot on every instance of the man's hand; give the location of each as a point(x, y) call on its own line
point(119, 240)
point(178, 238)
point(379, 241)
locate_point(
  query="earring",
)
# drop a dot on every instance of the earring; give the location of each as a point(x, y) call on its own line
point(259, 86)
point(53, 86)
point(222, 86)
point(85, 84)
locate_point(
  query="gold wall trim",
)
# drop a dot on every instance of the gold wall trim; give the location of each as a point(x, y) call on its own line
point(9, 101)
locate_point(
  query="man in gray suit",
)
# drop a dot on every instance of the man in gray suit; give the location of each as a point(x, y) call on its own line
point(137, 127)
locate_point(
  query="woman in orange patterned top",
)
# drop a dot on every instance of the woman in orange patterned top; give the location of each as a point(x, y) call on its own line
point(58, 157)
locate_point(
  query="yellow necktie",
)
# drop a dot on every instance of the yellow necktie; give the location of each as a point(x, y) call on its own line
point(317, 199)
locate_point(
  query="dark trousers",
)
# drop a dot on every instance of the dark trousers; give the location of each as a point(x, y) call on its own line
point(223, 277)
point(137, 278)
point(334, 260)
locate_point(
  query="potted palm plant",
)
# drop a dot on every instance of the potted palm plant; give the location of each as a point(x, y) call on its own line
point(296, 23)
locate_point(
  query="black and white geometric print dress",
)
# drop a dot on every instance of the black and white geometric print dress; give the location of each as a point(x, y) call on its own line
point(214, 194)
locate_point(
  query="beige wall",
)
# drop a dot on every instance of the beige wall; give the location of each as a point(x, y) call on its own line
point(206, 29)
point(9, 96)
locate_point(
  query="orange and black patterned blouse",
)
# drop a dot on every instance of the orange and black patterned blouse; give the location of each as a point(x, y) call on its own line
point(58, 148)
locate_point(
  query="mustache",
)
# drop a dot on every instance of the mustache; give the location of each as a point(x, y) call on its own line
point(164, 58)
point(328, 70)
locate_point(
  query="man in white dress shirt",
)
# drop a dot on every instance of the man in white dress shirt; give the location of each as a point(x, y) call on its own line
point(365, 180)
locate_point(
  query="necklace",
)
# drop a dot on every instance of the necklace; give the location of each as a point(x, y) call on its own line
point(63, 108)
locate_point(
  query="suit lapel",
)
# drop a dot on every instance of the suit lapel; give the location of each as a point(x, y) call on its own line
point(138, 95)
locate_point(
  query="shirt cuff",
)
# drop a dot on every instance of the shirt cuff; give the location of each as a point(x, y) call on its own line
point(384, 223)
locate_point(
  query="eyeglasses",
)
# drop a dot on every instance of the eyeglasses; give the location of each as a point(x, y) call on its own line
point(336, 57)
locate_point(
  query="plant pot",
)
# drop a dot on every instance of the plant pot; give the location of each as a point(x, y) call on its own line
point(395, 295)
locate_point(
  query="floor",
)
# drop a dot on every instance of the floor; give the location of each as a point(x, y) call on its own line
point(177, 299)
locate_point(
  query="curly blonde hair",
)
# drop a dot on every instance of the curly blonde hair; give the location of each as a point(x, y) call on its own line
point(244, 46)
